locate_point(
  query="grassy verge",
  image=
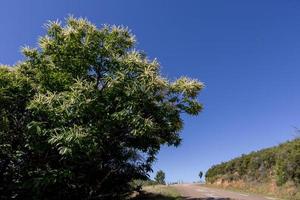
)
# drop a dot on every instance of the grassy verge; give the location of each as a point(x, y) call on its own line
point(252, 190)
point(159, 192)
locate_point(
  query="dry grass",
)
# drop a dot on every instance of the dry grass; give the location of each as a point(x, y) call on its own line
point(289, 192)
point(159, 192)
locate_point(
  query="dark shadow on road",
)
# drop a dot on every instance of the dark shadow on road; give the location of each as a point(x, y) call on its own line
point(150, 196)
point(204, 198)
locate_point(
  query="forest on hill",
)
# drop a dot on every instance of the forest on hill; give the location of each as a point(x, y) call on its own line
point(276, 168)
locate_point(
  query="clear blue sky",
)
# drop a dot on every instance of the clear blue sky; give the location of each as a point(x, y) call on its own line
point(246, 52)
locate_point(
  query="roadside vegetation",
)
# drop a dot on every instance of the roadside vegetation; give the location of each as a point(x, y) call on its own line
point(155, 189)
point(85, 114)
point(159, 192)
point(160, 177)
point(273, 171)
point(139, 184)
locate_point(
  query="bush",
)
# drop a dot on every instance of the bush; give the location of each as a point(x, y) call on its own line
point(160, 177)
point(259, 166)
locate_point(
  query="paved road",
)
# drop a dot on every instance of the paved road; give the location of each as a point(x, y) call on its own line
point(200, 192)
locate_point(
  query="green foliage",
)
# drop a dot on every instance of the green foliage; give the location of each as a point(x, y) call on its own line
point(84, 115)
point(288, 163)
point(160, 177)
point(281, 162)
point(15, 92)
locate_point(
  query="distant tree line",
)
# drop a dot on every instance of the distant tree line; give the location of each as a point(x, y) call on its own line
point(281, 163)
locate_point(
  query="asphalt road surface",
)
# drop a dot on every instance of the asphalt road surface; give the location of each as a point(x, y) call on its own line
point(200, 192)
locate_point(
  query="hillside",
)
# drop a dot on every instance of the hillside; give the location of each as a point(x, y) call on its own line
point(274, 170)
